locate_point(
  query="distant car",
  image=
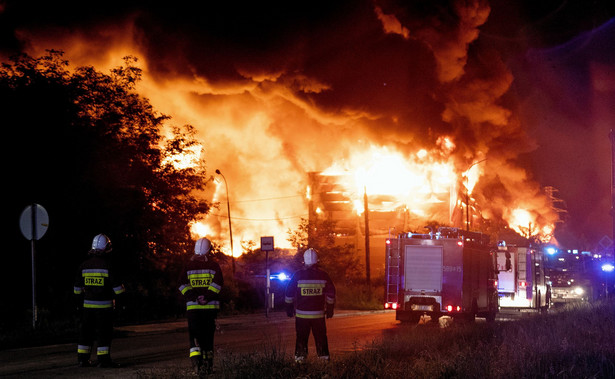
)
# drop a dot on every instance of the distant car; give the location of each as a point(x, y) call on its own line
point(574, 293)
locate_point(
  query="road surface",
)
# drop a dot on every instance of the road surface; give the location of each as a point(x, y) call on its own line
point(148, 348)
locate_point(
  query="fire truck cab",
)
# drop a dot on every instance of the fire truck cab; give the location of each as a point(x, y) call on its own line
point(451, 272)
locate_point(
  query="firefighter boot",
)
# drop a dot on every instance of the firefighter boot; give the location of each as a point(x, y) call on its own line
point(197, 363)
point(83, 360)
point(208, 367)
point(208, 363)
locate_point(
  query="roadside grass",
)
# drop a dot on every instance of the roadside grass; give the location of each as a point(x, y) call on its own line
point(360, 296)
point(576, 342)
point(573, 342)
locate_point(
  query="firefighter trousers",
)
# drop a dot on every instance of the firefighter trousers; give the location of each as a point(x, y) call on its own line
point(201, 329)
point(96, 325)
point(318, 327)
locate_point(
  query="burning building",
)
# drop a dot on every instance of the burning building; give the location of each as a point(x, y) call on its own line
point(379, 193)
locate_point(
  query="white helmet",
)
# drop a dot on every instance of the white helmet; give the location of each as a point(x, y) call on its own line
point(202, 246)
point(101, 244)
point(310, 257)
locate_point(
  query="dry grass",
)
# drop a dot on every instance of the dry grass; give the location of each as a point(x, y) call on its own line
point(573, 343)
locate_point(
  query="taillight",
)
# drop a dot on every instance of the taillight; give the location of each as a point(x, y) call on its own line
point(394, 306)
point(451, 308)
point(522, 284)
point(386, 305)
point(390, 305)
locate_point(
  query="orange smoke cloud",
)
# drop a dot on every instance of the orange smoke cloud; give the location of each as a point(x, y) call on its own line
point(362, 85)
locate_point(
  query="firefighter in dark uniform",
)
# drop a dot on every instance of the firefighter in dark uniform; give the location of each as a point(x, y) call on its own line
point(97, 283)
point(200, 284)
point(310, 297)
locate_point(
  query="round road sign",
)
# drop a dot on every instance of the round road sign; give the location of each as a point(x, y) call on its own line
point(34, 222)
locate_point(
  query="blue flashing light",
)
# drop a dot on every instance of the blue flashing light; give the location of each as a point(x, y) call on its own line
point(551, 250)
point(281, 276)
point(608, 267)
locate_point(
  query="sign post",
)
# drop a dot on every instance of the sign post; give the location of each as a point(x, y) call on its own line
point(267, 246)
point(33, 223)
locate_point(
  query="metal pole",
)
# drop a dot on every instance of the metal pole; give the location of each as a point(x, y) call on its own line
point(34, 238)
point(367, 269)
point(612, 137)
point(467, 204)
point(230, 229)
point(468, 192)
point(267, 291)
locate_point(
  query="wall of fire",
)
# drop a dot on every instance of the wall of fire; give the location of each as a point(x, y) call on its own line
point(331, 198)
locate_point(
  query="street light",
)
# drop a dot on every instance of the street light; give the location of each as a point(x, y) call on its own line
point(228, 209)
point(468, 193)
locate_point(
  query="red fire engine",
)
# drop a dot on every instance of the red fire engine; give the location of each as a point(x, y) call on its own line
point(451, 272)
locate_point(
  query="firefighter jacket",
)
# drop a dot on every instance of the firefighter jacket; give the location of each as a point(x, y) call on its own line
point(312, 291)
point(200, 283)
point(97, 282)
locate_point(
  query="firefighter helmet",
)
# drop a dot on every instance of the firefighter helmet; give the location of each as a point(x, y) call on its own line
point(202, 246)
point(310, 257)
point(101, 244)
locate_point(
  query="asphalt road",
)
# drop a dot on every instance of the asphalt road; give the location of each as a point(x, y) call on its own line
point(143, 350)
point(155, 349)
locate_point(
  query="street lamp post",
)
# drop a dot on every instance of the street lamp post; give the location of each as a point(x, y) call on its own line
point(467, 171)
point(367, 258)
point(228, 209)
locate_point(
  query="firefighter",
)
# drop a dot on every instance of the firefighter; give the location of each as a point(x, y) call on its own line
point(97, 283)
point(200, 284)
point(310, 297)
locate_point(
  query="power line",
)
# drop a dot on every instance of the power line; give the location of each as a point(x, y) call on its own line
point(259, 219)
point(267, 199)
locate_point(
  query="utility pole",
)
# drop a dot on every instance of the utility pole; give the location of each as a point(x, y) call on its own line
point(467, 173)
point(366, 213)
point(612, 137)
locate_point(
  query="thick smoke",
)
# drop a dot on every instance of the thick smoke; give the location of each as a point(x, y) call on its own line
point(281, 90)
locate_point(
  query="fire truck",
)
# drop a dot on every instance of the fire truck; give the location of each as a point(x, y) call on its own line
point(451, 272)
point(521, 277)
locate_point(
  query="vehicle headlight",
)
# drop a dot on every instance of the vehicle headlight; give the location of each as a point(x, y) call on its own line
point(579, 291)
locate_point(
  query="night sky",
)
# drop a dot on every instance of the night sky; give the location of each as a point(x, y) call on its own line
point(528, 84)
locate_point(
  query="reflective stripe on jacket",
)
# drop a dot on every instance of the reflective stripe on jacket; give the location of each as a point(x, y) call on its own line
point(311, 290)
point(96, 281)
point(201, 276)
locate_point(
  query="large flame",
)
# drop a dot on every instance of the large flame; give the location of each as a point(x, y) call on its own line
point(402, 181)
point(395, 108)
